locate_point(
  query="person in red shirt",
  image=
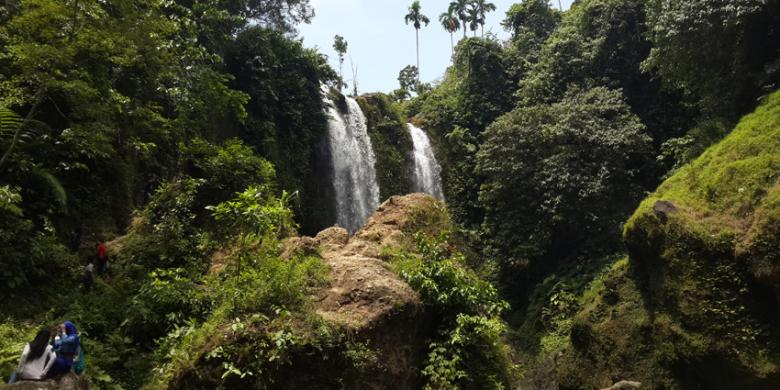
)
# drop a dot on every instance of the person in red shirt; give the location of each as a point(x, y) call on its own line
point(102, 258)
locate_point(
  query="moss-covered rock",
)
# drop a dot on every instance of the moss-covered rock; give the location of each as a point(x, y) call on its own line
point(707, 264)
point(392, 145)
point(695, 303)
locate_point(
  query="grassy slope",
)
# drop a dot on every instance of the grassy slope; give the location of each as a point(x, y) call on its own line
point(695, 304)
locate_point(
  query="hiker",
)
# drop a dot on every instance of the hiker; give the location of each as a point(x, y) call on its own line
point(102, 258)
point(36, 360)
point(67, 345)
point(89, 277)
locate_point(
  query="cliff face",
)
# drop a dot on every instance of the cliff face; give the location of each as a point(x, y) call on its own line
point(367, 328)
point(392, 145)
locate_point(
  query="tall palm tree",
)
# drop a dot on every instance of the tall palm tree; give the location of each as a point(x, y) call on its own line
point(451, 24)
point(460, 8)
point(482, 7)
point(473, 18)
point(416, 17)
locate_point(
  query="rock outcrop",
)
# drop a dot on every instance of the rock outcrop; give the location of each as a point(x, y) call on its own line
point(70, 381)
point(367, 298)
point(377, 324)
point(625, 385)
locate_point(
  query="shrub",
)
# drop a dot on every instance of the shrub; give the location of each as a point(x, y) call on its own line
point(468, 350)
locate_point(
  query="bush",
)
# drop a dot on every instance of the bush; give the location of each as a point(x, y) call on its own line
point(167, 299)
point(468, 351)
point(167, 235)
point(226, 169)
point(32, 259)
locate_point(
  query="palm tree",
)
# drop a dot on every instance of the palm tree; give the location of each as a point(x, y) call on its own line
point(460, 8)
point(473, 19)
point(416, 17)
point(481, 8)
point(451, 24)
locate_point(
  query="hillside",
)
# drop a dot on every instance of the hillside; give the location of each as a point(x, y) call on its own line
point(695, 303)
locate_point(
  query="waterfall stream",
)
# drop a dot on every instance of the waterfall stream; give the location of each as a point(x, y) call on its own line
point(354, 175)
point(427, 172)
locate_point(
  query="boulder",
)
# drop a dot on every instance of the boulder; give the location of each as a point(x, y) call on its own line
point(624, 385)
point(71, 381)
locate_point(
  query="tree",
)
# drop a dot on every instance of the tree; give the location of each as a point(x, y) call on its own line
point(725, 52)
point(460, 8)
point(474, 92)
point(280, 15)
point(408, 77)
point(531, 22)
point(603, 43)
point(482, 8)
point(531, 17)
point(451, 24)
point(416, 17)
point(473, 18)
point(556, 175)
point(340, 45)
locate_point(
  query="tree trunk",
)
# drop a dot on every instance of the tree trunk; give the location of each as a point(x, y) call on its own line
point(452, 44)
point(417, 36)
point(341, 73)
point(559, 5)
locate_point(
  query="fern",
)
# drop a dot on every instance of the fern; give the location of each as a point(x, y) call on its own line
point(18, 129)
point(10, 122)
point(57, 190)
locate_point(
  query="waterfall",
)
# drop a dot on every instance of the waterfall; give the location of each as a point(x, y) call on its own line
point(427, 172)
point(354, 175)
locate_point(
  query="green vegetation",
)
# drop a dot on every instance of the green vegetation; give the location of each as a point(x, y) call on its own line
point(192, 137)
point(725, 53)
point(468, 349)
point(540, 164)
point(392, 145)
point(692, 304)
point(340, 46)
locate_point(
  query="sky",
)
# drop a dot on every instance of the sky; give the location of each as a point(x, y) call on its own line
point(380, 44)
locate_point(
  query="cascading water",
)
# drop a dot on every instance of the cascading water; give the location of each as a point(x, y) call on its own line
point(354, 175)
point(427, 172)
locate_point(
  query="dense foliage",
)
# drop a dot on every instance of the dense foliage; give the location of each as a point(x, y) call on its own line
point(542, 163)
point(191, 134)
point(468, 350)
point(392, 145)
point(725, 52)
point(286, 119)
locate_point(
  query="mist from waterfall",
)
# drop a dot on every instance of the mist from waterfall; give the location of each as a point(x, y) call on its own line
point(352, 157)
point(427, 172)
